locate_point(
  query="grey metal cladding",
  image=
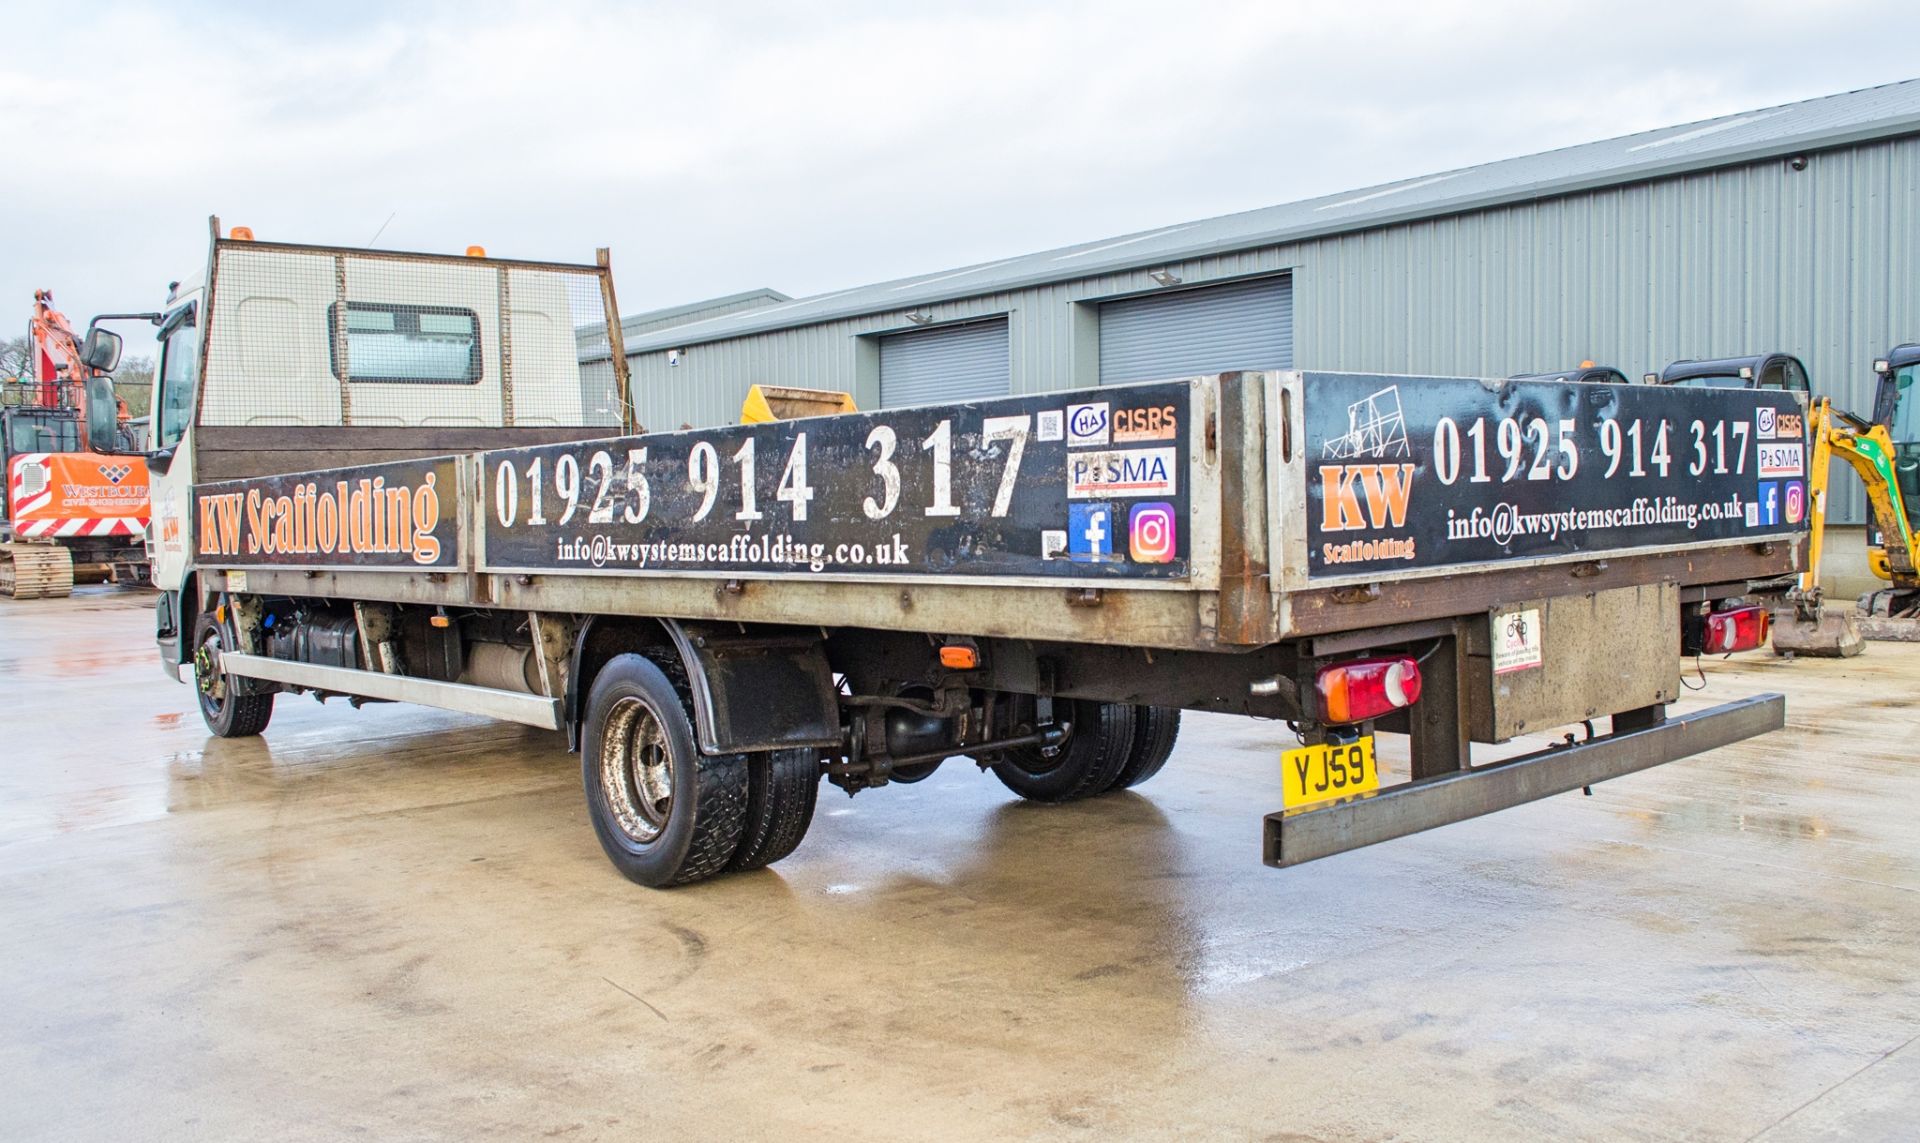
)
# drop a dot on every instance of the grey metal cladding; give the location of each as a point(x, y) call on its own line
point(1211, 329)
point(956, 363)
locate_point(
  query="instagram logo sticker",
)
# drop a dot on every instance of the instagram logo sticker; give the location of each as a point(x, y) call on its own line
point(1151, 534)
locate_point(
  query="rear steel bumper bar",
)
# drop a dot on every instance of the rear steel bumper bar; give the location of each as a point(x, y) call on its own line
point(1308, 834)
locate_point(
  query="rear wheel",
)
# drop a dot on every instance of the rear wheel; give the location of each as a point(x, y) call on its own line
point(227, 714)
point(1085, 765)
point(1154, 730)
point(665, 813)
point(782, 788)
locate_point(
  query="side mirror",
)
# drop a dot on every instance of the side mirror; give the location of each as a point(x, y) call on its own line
point(103, 412)
point(101, 351)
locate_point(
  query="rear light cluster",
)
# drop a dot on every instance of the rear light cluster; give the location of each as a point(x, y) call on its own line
point(1740, 630)
point(1360, 689)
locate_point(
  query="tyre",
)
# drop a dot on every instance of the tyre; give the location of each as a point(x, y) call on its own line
point(665, 813)
point(1084, 766)
point(782, 787)
point(1154, 730)
point(227, 714)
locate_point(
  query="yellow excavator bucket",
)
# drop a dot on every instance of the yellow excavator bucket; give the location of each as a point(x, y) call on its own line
point(766, 403)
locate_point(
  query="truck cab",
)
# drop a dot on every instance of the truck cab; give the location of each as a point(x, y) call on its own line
point(278, 358)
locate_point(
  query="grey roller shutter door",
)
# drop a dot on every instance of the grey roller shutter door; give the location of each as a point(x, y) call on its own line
point(932, 366)
point(1211, 329)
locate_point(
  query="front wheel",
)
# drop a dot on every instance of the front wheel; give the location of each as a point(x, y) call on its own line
point(665, 813)
point(227, 714)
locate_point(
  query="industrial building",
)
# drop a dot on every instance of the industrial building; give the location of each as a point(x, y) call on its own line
point(1790, 228)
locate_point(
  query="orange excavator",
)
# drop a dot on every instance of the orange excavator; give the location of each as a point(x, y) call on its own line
point(66, 515)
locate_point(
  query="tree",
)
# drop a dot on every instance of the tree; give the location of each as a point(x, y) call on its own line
point(133, 382)
point(15, 355)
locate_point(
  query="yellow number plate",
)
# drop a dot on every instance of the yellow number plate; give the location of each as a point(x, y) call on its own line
point(1313, 774)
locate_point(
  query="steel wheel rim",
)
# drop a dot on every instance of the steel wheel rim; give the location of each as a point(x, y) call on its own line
point(636, 770)
point(212, 684)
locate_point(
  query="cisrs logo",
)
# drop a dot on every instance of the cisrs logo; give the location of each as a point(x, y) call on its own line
point(1360, 496)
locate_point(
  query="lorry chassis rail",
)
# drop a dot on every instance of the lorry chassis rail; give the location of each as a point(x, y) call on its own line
point(512, 706)
point(1300, 836)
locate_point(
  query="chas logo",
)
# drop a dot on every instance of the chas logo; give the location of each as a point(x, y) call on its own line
point(1087, 424)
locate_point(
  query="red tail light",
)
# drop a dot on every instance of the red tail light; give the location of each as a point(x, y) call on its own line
point(1361, 689)
point(1742, 630)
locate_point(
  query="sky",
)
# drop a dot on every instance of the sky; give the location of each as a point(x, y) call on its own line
point(813, 147)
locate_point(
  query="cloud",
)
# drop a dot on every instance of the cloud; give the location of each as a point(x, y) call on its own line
point(812, 147)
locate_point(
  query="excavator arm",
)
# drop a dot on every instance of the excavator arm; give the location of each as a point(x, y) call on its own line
point(1807, 628)
point(1869, 449)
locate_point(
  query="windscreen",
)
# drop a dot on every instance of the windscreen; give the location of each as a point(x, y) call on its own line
point(1905, 431)
point(1715, 381)
point(29, 433)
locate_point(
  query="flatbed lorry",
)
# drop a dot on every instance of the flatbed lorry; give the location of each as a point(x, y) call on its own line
point(393, 478)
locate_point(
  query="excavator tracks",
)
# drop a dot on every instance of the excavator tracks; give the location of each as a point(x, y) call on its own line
point(35, 571)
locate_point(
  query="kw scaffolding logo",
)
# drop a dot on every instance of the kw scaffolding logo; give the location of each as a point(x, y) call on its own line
point(1370, 495)
point(362, 518)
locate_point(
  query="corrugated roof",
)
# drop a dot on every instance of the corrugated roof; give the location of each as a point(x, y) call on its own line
point(592, 337)
point(634, 324)
point(1831, 121)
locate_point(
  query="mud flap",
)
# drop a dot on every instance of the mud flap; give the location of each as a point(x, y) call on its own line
point(764, 688)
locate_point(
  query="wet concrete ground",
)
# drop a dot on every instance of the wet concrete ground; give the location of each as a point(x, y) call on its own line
point(396, 923)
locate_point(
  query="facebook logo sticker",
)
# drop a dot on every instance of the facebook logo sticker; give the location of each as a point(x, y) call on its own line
point(1769, 497)
point(1090, 533)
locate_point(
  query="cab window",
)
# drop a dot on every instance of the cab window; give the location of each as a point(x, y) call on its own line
point(179, 368)
point(1785, 375)
point(1906, 410)
point(405, 344)
point(29, 433)
point(1715, 381)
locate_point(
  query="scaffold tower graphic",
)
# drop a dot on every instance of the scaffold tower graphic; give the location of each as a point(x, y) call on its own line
point(1375, 428)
